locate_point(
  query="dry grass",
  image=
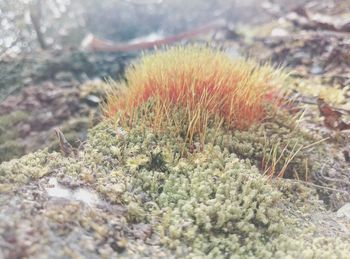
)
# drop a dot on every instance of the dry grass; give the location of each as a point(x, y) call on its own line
point(190, 88)
point(271, 160)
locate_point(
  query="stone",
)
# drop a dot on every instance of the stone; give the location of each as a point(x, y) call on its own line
point(344, 211)
point(92, 100)
point(64, 76)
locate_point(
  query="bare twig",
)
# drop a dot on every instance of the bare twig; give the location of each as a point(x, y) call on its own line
point(322, 187)
point(337, 180)
point(305, 100)
point(65, 146)
point(94, 44)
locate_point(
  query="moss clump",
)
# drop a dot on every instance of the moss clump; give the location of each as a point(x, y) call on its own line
point(213, 204)
point(210, 99)
point(276, 146)
point(192, 88)
point(29, 167)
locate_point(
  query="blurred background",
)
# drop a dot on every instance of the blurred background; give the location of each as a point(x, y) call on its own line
point(56, 54)
point(27, 25)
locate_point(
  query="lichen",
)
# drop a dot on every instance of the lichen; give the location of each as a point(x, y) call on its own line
point(213, 202)
point(206, 205)
point(30, 167)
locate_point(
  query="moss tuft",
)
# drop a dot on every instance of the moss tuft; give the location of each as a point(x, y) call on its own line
point(191, 88)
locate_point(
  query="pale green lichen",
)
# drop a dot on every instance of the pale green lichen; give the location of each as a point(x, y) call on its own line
point(199, 202)
point(29, 167)
point(212, 203)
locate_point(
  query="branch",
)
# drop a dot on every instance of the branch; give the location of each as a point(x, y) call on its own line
point(94, 44)
point(35, 17)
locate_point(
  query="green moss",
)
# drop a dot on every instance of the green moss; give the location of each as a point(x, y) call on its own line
point(213, 203)
point(202, 201)
point(270, 145)
point(31, 166)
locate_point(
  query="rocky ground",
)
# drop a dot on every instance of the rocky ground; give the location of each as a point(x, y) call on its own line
point(85, 207)
point(60, 90)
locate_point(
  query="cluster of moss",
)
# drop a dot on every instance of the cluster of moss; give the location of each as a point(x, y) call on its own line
point(204, 85)
point(274, 144)
point(207, 101)
point(211, 207)
point(30, 167)
point(207, 203)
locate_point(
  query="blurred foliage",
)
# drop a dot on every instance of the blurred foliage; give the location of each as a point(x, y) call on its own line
point(58, 22)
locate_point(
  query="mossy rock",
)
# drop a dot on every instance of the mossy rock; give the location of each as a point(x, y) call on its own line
point(210, 203)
